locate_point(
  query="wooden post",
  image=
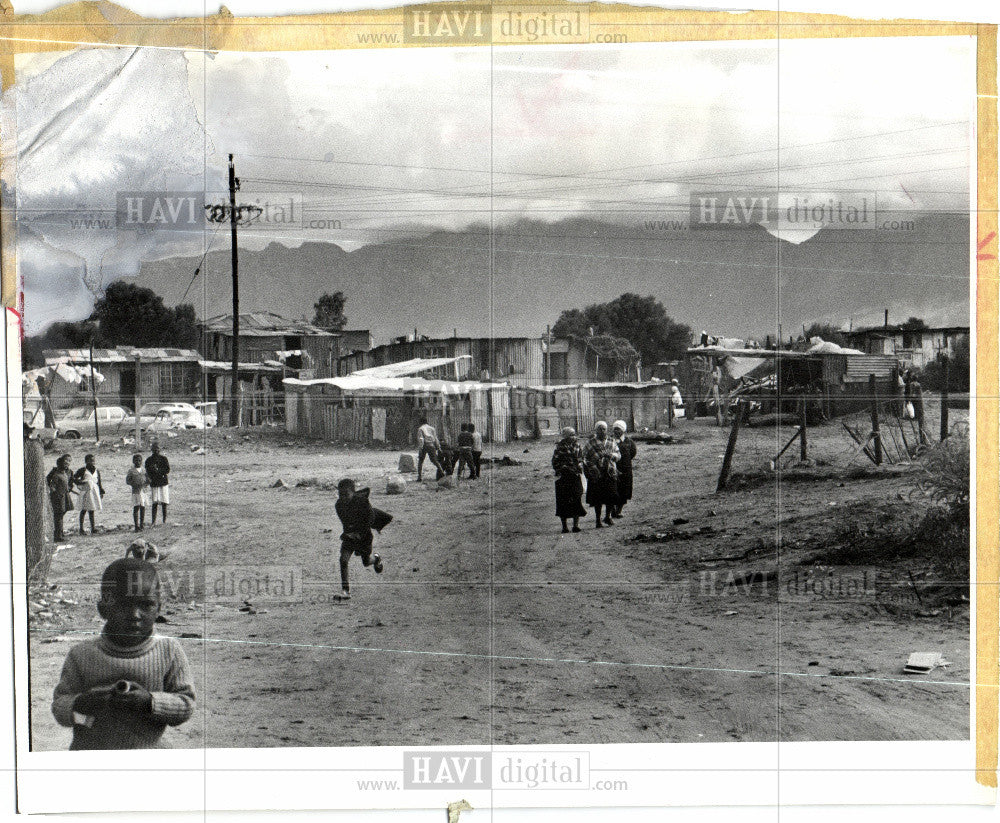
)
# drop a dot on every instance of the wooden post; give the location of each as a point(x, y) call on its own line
point(875, 431)
point(138, 426)
point(93, 391)
point(727, 461)
point(234, 258)
point(803, 451)
point(944, 400)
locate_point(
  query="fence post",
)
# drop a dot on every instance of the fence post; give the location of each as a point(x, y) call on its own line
point(727, 461)
point(803, 451)
point(875, 430)
point(944, 400)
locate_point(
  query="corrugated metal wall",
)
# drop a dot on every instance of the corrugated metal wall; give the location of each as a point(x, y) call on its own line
point(291, 411)
point(858, 368)
point(321, 351)
point(499, 408)
point(521, 362)
point(479, 411)
point(585, 410)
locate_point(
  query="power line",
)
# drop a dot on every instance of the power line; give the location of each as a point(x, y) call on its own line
point(200, 262)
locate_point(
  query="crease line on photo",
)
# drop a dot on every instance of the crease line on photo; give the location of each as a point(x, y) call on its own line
point(571, 660)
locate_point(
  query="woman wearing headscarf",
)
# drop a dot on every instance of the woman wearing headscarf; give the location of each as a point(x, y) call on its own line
point(600, 460)
point(567, 460)
point(626, 447)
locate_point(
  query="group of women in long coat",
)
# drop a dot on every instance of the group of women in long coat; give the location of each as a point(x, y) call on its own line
point(606, 461)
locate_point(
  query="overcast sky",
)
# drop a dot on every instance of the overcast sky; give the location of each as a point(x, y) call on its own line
point(389, 142)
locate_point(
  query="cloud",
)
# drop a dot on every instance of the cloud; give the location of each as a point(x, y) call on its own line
point(389, 143)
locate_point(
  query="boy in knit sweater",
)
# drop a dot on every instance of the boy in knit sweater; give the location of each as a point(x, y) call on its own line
point(121, 690)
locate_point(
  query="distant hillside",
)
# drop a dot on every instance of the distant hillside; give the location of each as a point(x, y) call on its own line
point(725, 281)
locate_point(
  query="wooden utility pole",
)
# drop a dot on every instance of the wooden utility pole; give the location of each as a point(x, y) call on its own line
point(138, 424)
point(803, 449)
point(875, 431)
point(548, 355)
point(234, 393)
point(93, 389)
point(944, 400)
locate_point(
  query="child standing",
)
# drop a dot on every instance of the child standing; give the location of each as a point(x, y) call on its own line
point(477, 449)
point(358, 519)
point(136, 479)
point(121, 690)
point(60, 482)
point(88, 480)
point(465, 451)
point(158, 474)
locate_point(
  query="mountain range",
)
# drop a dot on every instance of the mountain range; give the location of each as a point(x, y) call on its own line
point(724, 280)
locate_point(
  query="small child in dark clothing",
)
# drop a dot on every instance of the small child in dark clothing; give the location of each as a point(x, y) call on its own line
point(122, 689)
point(358, 518)
point(446, 456)
point(465, 451)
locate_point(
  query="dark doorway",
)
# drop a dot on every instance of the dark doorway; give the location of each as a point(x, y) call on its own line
point(127, 388)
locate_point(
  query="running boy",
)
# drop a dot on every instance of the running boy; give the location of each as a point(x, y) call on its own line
point(136, 479)
point(358, 519)
point(122, 689)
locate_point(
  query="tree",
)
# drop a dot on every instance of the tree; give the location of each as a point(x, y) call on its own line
point(642, 321)
point(131, 315)
point(184, 332)
point(826, 331)
point(914, 323)
point(127, 315)
point(330, 312)
point(57, 336)
point(958, 369)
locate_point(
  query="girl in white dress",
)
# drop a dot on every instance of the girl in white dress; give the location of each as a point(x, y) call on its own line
point(88, 482)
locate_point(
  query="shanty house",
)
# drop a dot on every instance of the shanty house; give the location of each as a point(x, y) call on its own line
point(385, 404)
point(518, 361)
point(126, 372)
point(914, 347)
point(833, 378)
point(266, 337)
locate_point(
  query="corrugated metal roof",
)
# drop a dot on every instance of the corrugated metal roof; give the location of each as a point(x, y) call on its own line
point(226, 367)
point(264, 324)
point(608, 385)
point(122, 354)
point(719, 351)
point(896, 328)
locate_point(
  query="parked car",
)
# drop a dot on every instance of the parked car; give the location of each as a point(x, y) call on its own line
point(210, 411)
point(148, 412)
point(81, 421)
point(173, 419)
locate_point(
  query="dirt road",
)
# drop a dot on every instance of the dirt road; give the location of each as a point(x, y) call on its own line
point(488, 625)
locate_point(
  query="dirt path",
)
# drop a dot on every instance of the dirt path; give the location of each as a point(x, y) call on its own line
point(489, 625)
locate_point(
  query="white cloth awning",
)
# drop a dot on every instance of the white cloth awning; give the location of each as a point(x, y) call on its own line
point(363, 382)
point(71, 374)
point(408, 367)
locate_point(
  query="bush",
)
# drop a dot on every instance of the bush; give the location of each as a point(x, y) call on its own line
point(945, 475)
point(957, 366)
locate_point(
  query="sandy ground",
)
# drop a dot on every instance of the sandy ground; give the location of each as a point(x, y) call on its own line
point(488, 625)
